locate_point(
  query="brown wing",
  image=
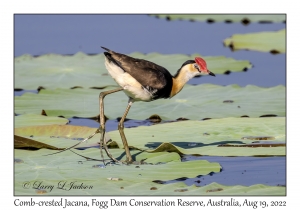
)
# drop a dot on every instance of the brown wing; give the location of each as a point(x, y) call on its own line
point(147, 73)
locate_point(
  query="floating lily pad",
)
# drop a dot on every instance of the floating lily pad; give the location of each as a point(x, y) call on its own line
point(88, 71)
point(61, 169)
point(40, 170)
point(193, 102)
point(177, 137)
point(245, 19)
point(58, 136)
point(273, 42)
point(27, 143)
point(258, 189)
point(33, 119)
point(57, 174)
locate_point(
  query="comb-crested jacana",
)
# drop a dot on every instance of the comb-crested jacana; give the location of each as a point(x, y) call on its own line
point(142, 80)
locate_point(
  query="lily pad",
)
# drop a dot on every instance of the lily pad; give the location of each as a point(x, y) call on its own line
point(33, 119)
point(58, 136)
point(218, 189)
point(245, 19)
point(273, 42)
point(193, 102)
point(22, 142)
point(40, 171)
point(88, 71)
point(69, 174)
point(187, 137)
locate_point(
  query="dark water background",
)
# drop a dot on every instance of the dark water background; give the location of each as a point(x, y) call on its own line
point(69, 34)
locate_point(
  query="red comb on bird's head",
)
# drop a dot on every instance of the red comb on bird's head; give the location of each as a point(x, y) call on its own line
point(203, 68)
point(201, 62)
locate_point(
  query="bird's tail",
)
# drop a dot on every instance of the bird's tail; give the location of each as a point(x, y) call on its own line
point(108, 55)
point(108, 50)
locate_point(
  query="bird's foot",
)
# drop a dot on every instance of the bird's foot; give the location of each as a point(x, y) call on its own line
point(132, 162)
point(126, 162)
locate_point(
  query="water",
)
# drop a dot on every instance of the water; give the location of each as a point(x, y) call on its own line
point(68, 34)
point(245, 171)
point(110, 125)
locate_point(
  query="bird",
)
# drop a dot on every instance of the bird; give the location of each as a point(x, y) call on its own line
point(143, 80)
point(140, 80)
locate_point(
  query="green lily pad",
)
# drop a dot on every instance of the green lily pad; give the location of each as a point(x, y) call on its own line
point(193, 102)
point(218, 189)
point(185, 137)
point(245, 19)
point(58, 136)
point(55, 175)
point(63, 136)
point(35, 173)
point(205, 137)
point(22, 142)
point(40, 170)
point(88, 71)
point(273, 42)
point(33, 119)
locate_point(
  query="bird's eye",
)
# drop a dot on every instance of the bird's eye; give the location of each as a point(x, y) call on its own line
point(197, 67)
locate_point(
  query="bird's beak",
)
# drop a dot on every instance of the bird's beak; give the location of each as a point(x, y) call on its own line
point(211, 74)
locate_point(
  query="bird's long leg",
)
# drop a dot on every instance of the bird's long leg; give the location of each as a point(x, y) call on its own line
point(121, 130)
point(102, 123)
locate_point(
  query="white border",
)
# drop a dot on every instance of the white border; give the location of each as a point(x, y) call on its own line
point(8, 8)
